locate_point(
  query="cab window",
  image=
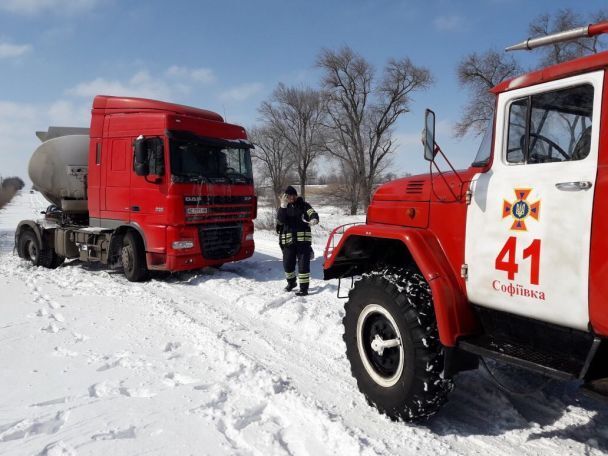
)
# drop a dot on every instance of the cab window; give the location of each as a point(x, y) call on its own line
point(551, 127)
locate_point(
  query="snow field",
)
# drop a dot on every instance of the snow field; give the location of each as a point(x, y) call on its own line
point(225, 362)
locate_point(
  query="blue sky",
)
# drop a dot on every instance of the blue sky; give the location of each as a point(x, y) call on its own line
point(227, 56)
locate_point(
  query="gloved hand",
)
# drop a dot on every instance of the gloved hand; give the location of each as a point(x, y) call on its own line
point(284, 200)
point(314, 221)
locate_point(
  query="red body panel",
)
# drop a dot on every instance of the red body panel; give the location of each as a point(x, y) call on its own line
point(156, 206)
point(598, 269)
point(434, 233)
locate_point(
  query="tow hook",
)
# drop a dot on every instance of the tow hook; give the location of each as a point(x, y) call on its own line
point(378, 344)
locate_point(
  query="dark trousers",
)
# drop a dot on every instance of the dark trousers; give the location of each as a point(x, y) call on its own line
point(300, 252)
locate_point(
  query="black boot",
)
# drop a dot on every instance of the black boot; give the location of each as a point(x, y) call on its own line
point(303, 290)
point(291, 284)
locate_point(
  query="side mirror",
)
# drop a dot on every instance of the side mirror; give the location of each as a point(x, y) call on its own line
point(140, 161)
point(428, 135)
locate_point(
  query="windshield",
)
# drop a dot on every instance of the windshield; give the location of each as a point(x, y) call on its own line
point(197, 161)
point(485, 148)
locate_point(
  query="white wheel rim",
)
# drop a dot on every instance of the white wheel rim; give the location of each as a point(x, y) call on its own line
point(381, 380)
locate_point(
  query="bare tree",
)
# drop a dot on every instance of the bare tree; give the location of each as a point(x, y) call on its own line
point(362, 111)
point(272, 152)
point(297, 114)
point(478, 74)
point(566, 19)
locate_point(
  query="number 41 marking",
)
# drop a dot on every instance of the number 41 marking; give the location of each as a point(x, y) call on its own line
point(511, 267)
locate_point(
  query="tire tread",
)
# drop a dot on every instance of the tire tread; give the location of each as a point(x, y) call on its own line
point(412, 296)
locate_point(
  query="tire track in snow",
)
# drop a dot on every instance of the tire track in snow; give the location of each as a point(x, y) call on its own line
point(249, 371)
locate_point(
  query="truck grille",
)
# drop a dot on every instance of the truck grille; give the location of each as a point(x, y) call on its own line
point(230, 209)
point(220, 241)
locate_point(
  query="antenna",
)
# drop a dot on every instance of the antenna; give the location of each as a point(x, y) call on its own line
point(567, 35)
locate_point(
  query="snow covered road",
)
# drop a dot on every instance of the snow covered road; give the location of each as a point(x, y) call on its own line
point(225, 362)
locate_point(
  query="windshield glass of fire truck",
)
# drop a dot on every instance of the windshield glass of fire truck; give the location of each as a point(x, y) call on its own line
point(193, 161)
point(485, 148)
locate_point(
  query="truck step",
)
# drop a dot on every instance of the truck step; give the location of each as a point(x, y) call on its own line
point(552, 364)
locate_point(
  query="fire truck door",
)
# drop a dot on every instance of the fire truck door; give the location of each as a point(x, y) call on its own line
point(529, 222)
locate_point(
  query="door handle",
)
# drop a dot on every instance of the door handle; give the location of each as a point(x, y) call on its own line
point(574, 186)
point(135, 208)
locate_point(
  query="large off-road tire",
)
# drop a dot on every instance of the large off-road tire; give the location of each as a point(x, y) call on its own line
point(31, 250)
point(403, 381)
point(133, 256)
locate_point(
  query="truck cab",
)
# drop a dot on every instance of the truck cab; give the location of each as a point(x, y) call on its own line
point(150, 186)
point(191, 195)
point(503, 260)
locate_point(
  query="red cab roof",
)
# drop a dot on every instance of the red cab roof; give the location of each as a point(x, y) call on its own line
point(130, 104)
point(551, 73)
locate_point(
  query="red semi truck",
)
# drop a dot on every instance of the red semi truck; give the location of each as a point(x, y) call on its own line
point(150, 186)
point(507, 259)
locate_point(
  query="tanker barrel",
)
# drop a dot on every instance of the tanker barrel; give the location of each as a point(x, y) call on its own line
point(58, 168)
point(56, 132)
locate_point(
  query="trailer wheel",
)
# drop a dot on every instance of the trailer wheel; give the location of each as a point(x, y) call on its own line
point(133, 257)
point(30, 249)
point(393, 346)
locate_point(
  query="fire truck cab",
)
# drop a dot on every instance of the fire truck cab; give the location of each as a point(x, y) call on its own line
point(503, 260)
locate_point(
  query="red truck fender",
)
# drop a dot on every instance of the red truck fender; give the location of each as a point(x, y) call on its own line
point(454, 315)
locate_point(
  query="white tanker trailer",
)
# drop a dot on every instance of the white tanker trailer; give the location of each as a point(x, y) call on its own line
point(58, 167)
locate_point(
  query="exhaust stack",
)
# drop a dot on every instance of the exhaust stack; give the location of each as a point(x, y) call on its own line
point(567, 35)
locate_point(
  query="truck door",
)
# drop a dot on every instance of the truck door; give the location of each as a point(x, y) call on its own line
point(529, 222)
point(117, 178)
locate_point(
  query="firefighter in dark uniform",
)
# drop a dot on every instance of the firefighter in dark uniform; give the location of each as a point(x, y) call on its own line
point(294, 218)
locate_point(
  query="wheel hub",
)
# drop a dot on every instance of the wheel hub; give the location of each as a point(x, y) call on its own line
point(380, 346)
point(127, 259)
point(32, 251)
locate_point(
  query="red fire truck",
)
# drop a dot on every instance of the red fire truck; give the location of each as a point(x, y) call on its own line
point(150, 186)
point(506, 259)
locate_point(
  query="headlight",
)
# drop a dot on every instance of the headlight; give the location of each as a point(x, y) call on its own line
point(177, 245)
point(249, 237)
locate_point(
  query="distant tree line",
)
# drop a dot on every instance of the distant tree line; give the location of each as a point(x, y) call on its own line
point(12, 183)
point(8, 187)
point(346, 123)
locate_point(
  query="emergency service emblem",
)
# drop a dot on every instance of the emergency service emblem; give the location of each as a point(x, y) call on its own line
point(520, 209)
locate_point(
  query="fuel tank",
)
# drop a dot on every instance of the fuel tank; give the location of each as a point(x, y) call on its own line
point(58, 169)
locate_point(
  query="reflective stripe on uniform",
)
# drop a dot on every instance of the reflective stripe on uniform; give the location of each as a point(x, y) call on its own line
point(304, 278)
point(304, 236)
point(310, 211)
point(290, 275)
